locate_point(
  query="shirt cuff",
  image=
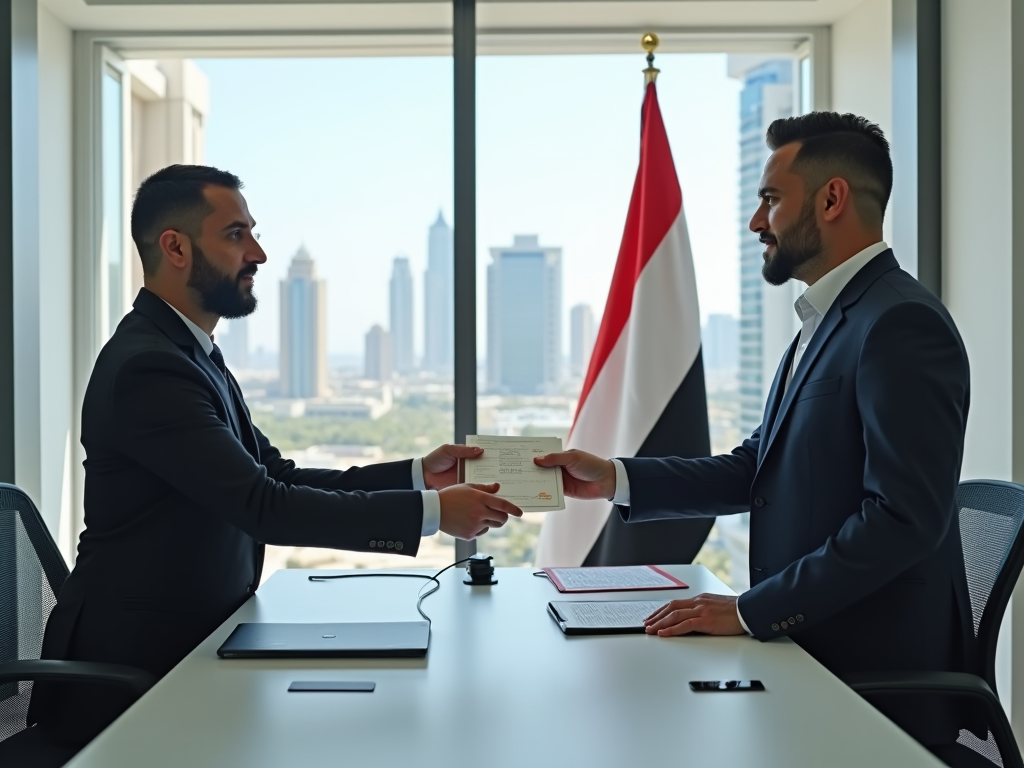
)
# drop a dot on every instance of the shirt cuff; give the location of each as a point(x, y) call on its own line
point(740, 617)
point(621, 496)
point(418, 483)
point(432, 513)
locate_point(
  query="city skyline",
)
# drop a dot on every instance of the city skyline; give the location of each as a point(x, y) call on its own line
point(376, 182)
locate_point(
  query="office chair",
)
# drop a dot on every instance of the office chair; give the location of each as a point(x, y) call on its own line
point(990, 515)
point(32, 573)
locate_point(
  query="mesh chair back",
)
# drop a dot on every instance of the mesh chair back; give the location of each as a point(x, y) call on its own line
point(991, 513)
point(32, 571)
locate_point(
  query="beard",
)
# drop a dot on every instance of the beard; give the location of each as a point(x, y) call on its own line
point(799, 244)
point(220, 293)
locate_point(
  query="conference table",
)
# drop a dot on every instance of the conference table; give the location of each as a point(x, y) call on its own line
point(501, 686)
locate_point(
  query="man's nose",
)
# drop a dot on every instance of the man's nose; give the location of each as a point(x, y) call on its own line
point(259, 256)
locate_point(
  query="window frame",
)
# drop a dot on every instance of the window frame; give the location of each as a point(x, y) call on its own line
point(463, 43)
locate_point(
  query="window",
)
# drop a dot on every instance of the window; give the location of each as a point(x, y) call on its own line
point(113, 233)
point(348, 170)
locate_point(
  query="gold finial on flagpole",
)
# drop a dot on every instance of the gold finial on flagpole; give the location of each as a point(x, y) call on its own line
point(650, 43)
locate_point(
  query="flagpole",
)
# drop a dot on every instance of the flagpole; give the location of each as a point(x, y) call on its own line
point(650, 43)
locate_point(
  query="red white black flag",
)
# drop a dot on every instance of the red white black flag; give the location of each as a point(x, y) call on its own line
point(644, 390)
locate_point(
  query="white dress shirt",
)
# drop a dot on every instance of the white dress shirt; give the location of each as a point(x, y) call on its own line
point(811, 308)
point(431, 501)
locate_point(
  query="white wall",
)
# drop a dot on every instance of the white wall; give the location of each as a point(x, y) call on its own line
point(862, 70)
point(55, 264)
point(978, 189)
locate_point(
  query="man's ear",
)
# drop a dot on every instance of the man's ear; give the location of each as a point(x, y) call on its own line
point(836, 197)
point(176, 249)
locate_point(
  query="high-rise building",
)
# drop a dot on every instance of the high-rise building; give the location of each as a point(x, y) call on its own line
point(581, 339)
point(379, 361)
point(720, 343)
point(401, 315)
point(439, 299)
point(524, 318)
point(767, 319)
point(303, 354)
point(234, 344)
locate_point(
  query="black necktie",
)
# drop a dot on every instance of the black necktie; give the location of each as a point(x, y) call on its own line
point(218, 360)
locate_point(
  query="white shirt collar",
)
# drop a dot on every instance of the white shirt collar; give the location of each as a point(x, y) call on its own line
point(201, 336)
point(823, 294)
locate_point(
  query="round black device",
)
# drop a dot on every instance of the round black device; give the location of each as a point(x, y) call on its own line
point(480, 570)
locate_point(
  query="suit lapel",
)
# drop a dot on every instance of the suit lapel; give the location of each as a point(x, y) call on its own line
point(771, 409)
point(245, 422)
point(828, 325)
point(156, 309)
point(872, 271)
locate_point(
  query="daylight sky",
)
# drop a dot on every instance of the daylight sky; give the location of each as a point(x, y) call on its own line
point(353, 157)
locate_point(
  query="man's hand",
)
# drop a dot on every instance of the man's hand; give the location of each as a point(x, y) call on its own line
point(470, 510)
point(707, 614)
point(584, 475)
point(441, 466)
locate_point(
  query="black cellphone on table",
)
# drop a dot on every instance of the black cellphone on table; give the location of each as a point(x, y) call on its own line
point(717, 686)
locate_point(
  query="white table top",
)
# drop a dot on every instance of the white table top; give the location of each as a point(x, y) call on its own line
point(501, 685)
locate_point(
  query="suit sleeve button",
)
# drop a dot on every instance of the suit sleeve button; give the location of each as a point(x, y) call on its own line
point(759, 502)
point(380, 544)
point(399, 546)
point(785, 625)
point(391, 545)
point(799, 617)
point(373, 543)
point(792, 621)
point(775, 627)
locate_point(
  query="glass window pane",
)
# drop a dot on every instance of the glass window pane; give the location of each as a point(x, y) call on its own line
point(348, 360)
point(112, 236)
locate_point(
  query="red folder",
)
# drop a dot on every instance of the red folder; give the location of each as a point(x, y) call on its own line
point(631, 578)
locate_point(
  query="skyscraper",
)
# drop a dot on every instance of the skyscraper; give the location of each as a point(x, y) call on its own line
point(303, 355)
point(720, 343)
point(378, 362)
point(439, 299)
point(401, 315)
point(581, 339)
point(234, 344)
point(767, 319)
point(524, 318)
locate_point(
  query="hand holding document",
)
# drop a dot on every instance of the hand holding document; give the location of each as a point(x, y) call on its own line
point(509, 462)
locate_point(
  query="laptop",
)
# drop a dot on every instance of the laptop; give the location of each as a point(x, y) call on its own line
point(357, 640)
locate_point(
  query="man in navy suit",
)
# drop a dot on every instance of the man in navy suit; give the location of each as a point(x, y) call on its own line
point(851, 478)
point(182, 490)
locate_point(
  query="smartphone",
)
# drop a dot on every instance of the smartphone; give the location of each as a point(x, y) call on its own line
point(726, 685)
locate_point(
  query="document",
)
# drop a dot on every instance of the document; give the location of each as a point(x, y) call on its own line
point(625, 613)
point(509, 462)
point(623, 578)
point(602, 617)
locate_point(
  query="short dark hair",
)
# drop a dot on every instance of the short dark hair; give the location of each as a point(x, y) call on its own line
point(173, 198)
point(847, 146)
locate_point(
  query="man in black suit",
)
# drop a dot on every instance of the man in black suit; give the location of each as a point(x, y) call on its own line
point(851, 479)
point(182, 490)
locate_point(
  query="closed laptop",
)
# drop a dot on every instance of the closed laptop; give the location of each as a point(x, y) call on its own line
point(357, 640)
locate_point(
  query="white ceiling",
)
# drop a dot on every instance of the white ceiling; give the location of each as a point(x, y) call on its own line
point(493, 16)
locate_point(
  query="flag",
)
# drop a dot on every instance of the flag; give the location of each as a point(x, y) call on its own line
point(643, 394)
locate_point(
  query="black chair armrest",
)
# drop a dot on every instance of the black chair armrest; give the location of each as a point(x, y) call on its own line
point(138, 680)
point(957, 684)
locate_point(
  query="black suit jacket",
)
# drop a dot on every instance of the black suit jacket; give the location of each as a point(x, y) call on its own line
point(181, 493)
point(851, 485)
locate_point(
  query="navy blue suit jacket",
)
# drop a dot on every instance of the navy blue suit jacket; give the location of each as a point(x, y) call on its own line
point(851, 483)
point(182, 491)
